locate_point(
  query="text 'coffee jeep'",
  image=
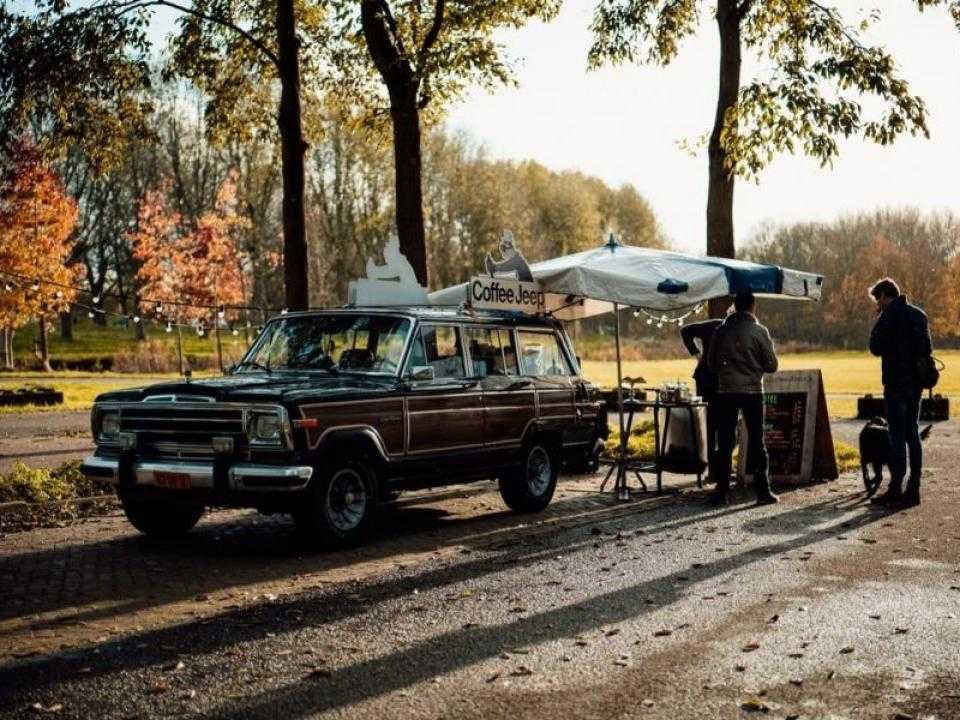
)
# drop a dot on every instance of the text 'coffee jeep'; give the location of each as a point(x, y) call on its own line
point(331, 412)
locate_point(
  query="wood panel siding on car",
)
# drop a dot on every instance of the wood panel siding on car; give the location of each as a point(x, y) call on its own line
point(384, 415)
point(444, 421)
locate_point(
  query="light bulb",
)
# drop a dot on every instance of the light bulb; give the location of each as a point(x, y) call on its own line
point(284, 311)
point(90, 314)
point(96, 299)
point(649, 321)
point(234, 332)
point(136, 319)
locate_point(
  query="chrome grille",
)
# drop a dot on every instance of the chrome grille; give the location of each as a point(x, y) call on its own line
point(181, 431)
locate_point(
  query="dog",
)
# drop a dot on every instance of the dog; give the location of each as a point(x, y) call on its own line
point(875, 451)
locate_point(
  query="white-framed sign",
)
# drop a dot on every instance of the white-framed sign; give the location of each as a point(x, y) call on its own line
point(796, 429)
point(498, 293)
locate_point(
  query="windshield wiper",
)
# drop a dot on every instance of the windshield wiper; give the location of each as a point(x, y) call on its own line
point(255, 365)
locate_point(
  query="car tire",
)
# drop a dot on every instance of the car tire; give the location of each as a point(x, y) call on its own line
point(162, 518)
point(339, 506)
point(530, 487)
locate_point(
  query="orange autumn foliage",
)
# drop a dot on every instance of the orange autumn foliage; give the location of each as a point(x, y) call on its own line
point(201, 265)
point(37, 217)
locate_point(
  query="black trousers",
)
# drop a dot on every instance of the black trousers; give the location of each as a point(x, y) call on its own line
point(729, 407)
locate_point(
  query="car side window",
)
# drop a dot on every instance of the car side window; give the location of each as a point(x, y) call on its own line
point(540, 354)
point(491, 351)
point(441, 349)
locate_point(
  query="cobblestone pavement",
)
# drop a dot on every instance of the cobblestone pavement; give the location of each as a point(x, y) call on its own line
point(661, 608)
point(98, 578)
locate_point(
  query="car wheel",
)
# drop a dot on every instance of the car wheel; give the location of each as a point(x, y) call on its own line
point(162, 518)
point(339, 506)
point(530, 487)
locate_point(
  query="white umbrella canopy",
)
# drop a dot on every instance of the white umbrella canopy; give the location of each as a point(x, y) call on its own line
point(589, 283)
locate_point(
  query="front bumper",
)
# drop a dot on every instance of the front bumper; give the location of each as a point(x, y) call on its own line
point(193, 475)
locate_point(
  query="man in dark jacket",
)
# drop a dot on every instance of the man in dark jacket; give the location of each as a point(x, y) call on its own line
point(900, 337)
point(740, 354)
point(703, 376)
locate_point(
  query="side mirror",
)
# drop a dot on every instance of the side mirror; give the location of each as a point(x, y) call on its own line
point(421, 373)
point(579, 362)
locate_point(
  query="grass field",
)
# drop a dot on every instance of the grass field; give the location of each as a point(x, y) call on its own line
point(846, 374)
point(92, 340)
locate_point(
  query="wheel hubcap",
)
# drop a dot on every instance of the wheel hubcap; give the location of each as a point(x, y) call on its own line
point(346, 500)
point(538, 471)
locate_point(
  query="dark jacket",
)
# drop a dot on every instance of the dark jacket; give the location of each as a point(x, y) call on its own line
point(900, 336)
point(703, 331)
point(740, 354)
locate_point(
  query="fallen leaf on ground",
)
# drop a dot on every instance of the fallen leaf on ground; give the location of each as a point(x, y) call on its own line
point(41, 708)
point(750, 647)
point(318, 673)
point(663, 633)
point(846, 651)
point(522, 671)
point(159, 688)
point(755, 705)
point(773, 619)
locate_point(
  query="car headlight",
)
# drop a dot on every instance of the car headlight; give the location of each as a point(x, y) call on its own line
point(110, 425)
point(267, 428)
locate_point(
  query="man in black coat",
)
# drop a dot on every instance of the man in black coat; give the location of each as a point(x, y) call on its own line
point(900, 337)
point(703, 376)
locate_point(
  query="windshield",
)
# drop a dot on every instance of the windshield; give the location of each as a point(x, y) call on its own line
point(335, 343)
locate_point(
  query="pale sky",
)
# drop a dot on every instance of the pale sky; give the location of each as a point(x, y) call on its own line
point(623, 123)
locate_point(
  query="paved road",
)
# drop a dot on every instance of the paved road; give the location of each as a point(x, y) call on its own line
point(43, 439)
point(660, 608)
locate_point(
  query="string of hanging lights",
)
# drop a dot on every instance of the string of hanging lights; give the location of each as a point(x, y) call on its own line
point(160, 317)
point(14, 280)
point(664, 319)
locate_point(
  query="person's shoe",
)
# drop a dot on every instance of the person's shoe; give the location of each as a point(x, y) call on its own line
point(911, 497)
point(891, 497)
point(767, 498)
point(718, 499)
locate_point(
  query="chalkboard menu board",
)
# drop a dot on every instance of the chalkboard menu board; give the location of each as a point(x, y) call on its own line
point(796, 429)
point(784, 419)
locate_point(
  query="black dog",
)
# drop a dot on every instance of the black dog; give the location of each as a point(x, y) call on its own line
point(875, 450)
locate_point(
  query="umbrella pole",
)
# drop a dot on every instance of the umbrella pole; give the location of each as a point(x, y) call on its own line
point(620, 486)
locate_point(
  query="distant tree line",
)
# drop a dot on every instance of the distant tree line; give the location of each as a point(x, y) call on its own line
point(158, 215)
point(921, 251)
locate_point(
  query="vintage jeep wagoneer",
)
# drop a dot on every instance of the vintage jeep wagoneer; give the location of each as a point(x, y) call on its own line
point(332, 412)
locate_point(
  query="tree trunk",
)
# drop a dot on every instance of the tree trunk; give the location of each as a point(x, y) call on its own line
point(293, 146)
point(44, 349)
point(408, 174)
point(720, 236)
point(6, 357)
point(66, 324)
point(403, 87)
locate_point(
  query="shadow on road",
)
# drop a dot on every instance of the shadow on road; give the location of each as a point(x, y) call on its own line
point(456, 649)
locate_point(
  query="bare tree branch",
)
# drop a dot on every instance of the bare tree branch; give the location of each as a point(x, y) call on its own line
point(121, 8)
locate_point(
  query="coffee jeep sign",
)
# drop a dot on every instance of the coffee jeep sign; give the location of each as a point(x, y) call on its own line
point(509, 284)
point(495, 293)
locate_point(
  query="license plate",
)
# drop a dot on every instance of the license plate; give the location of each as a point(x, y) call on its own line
point(172, 480)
